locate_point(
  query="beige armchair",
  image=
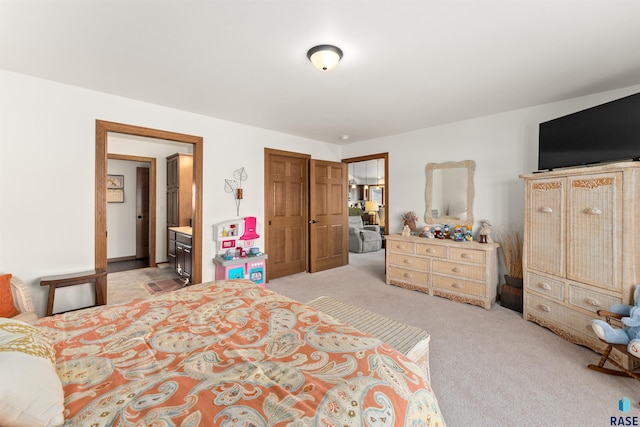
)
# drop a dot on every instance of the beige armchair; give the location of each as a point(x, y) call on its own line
point(363, 238)
point(22, 301)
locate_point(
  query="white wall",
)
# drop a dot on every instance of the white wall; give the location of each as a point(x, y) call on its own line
point(47, 175)
point(503, 146)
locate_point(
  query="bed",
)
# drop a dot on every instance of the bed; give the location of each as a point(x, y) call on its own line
point(230, 353)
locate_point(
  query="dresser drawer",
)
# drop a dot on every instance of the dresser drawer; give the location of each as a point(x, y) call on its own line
point(591, 300)
point(459, 270)
point(408, 276)
point(402, 247)
point(435, 251)
point(458, 285)
point(543, 285)
point(407, 261)
point(468, 255)
point(558, 315)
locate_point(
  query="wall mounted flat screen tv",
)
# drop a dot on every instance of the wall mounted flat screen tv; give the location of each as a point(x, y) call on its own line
point(604, 133)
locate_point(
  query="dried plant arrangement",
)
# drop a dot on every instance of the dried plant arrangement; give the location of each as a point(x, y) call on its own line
point(511, 241)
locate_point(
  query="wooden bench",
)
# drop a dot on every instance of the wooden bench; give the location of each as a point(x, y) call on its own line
point(97, 277)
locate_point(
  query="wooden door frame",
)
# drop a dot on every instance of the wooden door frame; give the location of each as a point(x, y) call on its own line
point(385, 157)
point(152, 197)
point(102, 130)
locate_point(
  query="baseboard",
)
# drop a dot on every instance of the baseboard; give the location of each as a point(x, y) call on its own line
point(122, 258)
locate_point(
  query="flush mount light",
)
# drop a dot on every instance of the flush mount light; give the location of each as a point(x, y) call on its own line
point(325, 56)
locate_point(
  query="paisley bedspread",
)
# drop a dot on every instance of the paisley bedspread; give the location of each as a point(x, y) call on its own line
point(230, 353)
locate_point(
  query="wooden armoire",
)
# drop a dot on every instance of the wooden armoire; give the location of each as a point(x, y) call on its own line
point(581, 246)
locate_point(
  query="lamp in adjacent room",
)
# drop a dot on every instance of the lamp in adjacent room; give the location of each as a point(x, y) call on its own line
point(324, 57)
point(372, 208)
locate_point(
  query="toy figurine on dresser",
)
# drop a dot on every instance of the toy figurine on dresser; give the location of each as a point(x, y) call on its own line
point(485, 232)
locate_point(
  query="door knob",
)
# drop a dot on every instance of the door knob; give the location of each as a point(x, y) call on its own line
point(313, 221)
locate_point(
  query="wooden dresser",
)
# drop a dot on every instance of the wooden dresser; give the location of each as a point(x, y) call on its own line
point(582, 246)
point(461, 271)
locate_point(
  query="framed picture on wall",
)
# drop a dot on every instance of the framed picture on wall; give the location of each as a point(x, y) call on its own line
point(115, 181)
point(377, 194)
point(115, 195)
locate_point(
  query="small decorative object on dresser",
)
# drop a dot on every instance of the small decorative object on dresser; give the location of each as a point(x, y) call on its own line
point(410, 218)
point(461, 271)
point(485, 232)
point(582, 246)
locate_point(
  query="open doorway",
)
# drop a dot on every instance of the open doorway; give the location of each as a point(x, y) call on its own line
point(368, 196)
point(103, 129)
point(131, 212)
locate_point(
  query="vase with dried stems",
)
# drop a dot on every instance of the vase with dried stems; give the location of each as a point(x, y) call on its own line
point(510, 239)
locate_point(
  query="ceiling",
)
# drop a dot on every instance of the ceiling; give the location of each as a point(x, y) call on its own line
point(407, 65)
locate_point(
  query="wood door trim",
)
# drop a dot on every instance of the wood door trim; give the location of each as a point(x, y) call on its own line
point(152, 197)
point(385, 157)
point(102, 130)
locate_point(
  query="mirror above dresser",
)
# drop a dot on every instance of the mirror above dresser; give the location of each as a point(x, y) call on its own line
point(450, 192)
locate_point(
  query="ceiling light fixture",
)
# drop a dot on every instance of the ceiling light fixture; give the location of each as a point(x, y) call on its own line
point(325, 56)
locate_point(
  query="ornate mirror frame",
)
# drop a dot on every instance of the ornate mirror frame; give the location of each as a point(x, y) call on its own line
point(467, 219)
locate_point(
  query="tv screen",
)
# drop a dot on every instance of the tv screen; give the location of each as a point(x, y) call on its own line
point(604, 133)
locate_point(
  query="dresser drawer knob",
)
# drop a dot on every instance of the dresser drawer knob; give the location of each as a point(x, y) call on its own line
point(455, 270)
point(407, 275)
point(593, 302)
point(593, 211)
point(456, 285)
point(407, 261)
point(544, 286)
point(431, 251)
point(545, 308)
point(546, 209)
point(465, 255)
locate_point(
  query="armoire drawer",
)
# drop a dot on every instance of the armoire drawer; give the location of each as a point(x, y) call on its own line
point(591, 300)
point(460, 270)
point(560, 315)
point(467, 255)
point(407, 261)
point(408, 276)
point(552, 288)
point(458, 285)
point(434, 251)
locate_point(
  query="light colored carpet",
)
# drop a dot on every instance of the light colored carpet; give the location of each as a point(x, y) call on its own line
point(489, 368)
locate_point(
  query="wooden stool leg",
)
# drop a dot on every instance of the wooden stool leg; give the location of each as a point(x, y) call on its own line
point(52, 295)
point(101, 290)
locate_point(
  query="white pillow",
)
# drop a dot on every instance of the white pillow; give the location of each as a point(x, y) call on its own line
point(30, 389)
